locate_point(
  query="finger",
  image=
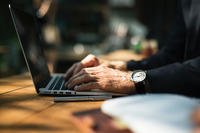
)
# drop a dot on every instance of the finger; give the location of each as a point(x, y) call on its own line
point(87, 86)
point(78, 69)
point(80, 80)
point(82, 72)
point(90, 61)
point(89, 71)
point(70, 71)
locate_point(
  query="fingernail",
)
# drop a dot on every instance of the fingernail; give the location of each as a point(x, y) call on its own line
point(76, 88)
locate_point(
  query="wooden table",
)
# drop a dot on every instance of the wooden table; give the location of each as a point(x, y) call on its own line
point(22, 110)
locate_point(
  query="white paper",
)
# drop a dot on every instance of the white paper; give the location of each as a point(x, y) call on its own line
point(153, 113)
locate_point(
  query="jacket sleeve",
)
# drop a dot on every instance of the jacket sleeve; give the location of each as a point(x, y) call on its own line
point(179, 78)
point(173, 50)
point(167, 72)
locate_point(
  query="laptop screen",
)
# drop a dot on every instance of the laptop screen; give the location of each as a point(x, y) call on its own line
point(31, 44)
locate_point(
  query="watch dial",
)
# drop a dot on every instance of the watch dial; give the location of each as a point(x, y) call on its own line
point(139, 76)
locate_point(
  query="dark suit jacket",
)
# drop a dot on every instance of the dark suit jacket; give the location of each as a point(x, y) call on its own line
point(176, 68)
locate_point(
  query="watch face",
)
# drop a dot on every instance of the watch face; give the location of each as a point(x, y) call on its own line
point(139, 76)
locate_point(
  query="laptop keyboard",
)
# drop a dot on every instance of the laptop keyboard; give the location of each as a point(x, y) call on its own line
point(57, 83)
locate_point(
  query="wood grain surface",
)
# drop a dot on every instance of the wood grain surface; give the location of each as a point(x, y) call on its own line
point(22, 110)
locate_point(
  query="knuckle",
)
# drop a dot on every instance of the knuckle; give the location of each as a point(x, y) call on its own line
point(73, 83)
point(94, 58)
point(85, 70)
point(82, 71)
point(80, 88)
point(85, 77)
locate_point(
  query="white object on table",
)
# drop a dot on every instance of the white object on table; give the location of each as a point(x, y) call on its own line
point(153, 113)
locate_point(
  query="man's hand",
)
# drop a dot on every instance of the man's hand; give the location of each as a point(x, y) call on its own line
point(120, 65)
point(103, 78)
point(196, 120)
point(88, 61)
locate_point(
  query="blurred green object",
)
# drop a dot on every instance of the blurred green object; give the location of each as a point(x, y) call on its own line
point(137, 47)
point(136, 44)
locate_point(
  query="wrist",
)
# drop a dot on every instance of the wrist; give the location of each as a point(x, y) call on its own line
point(131, 84)
point(121, 65)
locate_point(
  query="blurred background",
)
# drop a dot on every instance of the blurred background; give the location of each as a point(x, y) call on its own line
point(73, 28)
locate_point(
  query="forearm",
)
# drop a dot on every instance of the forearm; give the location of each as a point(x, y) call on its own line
point(162, 58)
point(178, 78)
point(172, 52)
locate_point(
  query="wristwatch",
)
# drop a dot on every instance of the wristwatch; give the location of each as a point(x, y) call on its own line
point(139, 79)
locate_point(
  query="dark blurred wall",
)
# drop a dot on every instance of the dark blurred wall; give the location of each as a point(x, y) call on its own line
point(158, 16)
point(11, 59)
point(5, 22)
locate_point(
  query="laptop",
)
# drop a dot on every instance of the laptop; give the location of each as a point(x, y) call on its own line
point(31, 44)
